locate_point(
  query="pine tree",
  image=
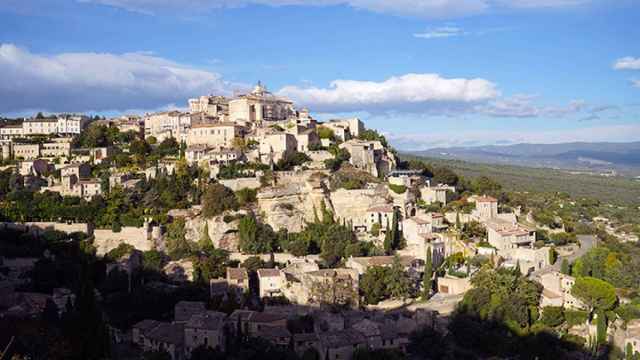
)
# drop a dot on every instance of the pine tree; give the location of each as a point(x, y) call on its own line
point(428, 275)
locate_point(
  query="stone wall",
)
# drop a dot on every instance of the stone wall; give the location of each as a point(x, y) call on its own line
point(106, 240)
point(241, 183)
point(282, 258)
point(38, 227)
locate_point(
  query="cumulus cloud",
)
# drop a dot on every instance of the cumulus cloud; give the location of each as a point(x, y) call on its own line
point(417, 8)
point(627, 63)
point(97, 81)
point(523, 106)
point(541, 3)
point(410, 93)
point(441, 32)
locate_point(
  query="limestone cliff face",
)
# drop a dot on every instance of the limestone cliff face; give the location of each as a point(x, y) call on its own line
point(291, 206)
point(353, 204)
point(223, 235)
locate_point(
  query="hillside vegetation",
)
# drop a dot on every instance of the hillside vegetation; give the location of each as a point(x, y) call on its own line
point(518, 178)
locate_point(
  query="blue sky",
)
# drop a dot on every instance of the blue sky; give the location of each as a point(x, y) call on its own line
point(425, 72)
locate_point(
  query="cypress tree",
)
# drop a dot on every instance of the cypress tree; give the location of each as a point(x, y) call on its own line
point(388, 239)
point(428, 275)
point(564, 267)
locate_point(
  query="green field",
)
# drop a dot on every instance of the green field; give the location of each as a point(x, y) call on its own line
point(516, 178)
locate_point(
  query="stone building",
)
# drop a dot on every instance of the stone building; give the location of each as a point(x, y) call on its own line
point(58, 147)
point(26, 151)
point(486, 208)
point(340, 344)
point(216, 135)
point(206, 329)
point(557, 290)
point(215, 106)
point(260, 105)
point(271, 281)
point(438, 193)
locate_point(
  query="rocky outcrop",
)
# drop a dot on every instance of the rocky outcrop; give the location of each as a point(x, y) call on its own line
point(222, 229)
point(292, 205)
point(352, 205)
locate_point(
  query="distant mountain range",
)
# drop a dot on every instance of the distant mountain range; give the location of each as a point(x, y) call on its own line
point(601, 157)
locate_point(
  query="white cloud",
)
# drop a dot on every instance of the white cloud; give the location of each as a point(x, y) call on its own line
point(541, 3)
point(627, 63)
point(523, 106)
point(636, 83)
point(415, 8)
point(441, 32)
point(97, 81)
point(406, 93)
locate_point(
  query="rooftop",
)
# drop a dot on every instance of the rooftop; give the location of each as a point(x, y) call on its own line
point(342, 338)
point(268, 273)
point(168, 333)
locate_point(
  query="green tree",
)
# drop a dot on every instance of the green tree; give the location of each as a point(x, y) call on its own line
point(601, 327)
point(596, 294)
point(552, 316)
point(205, 243)
point(218, 199)
point(399, 286)
point(177, 245)
point(427, 279)
point(564, 267)
point(375, 285)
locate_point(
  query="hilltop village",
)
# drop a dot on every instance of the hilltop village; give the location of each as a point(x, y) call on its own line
point(244, 227)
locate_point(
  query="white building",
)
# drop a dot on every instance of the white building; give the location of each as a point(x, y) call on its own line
point(71, 124)
point(260, 105)
point(271, 282)
point(557, 290)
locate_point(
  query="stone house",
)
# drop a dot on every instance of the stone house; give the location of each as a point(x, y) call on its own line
point(275, 146)
point(504, 235)
point(238, 279)
point(167, 337)
point(557, 290)
point(216, 135)
point(340, 345)
point(206, 329)
point(271, 282)
point(432, 194)
point(276, 335)
point(379, 214)
point(140, 330)
point(80, 170)
point(362, 264)
point(26, 151)
point(184, 310)
point(486, 208)
point(59, 147)
point(332, 287)
point(452, 285)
